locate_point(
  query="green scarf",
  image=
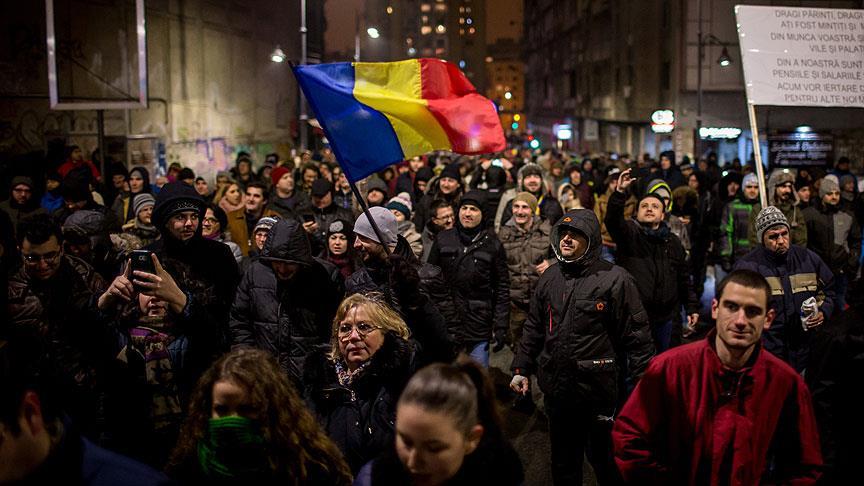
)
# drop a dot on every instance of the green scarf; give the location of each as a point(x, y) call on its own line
point(233, 448)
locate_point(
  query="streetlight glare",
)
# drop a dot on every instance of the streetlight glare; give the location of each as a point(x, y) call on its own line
point(373, 32)
point(508, 95)
point(277, 55)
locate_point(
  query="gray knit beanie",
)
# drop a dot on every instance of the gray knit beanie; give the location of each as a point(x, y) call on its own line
point(828, 184)
point(386, 222)
point(767, 219)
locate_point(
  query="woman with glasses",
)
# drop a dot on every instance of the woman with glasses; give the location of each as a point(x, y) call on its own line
point(215, 227)
point(353, 387)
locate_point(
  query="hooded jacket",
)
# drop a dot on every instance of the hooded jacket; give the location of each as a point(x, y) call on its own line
point(584, 314)
point(422, 211)
point(286, 318)
point(734, 241)
point(16, 211)
point(793, 277)
point(657, 261)
point(794, 214)
point(124, 201)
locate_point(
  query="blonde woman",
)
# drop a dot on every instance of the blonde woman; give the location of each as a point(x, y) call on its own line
point(353, 386)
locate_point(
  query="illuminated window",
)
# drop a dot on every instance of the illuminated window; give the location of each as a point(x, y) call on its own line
point(472, 30)
point(461, 20)
point(425, 30)
point(424, 19)
point(425, 7)
point(409, 41)
point(489, 59)
point(440, 51)
point(440, 7)
point(441, 29)
point(389, 10)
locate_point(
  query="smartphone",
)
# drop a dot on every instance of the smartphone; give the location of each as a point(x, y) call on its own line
point(308, 218)
point(497, 162)
point(141, 261)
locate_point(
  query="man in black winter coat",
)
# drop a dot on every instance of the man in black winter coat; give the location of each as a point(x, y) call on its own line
point(205, 270)
point(286, 300)
point(475, 267)
point(586, 324)
point(416, 291)
point(656, 259)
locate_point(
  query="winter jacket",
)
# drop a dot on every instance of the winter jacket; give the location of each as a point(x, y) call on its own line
point(288, 318)
point(297, 203)
point(793, 277)
point(75, 341)
point(240, 230)
point(427, 309)
point(693, 421)
point(323, 217)
point(414, 239)
point(76, 460)
point(734, 240)
point(525, 250)
point(794, 214)
point(478, 281)
point(601, 207)
point(584, 315)
point(360, 418)
point(835, 236)
point(834, 378)
point(657, 261)
point(422, 213)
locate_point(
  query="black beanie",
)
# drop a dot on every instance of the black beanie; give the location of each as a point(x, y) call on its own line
point(452, 171)
point(176, 197)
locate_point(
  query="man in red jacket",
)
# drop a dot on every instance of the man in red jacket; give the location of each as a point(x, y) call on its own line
point(722, 410)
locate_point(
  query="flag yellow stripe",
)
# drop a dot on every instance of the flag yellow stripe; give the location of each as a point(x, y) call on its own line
point(395, 90)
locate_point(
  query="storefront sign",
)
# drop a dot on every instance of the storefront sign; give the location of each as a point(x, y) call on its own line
point(717, 133)
point(800, 149)
point(802, 56)
point(663, 121)
point(563, 131)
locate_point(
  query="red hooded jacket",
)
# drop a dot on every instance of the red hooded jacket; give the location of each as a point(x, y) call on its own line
point(691, 420)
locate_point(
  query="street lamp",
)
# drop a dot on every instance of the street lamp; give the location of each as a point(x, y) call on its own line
point(371, 31)
point(724, 60)
point(277, 55)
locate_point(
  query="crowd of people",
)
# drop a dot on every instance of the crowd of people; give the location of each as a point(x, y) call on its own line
point(263, 327)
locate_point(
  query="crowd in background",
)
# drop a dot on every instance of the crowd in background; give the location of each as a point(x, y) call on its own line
point(274, 332)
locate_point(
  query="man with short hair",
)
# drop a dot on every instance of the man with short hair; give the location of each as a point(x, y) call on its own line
point(585, 316)
point(474, 264)
point(202, 188)
point(21, 202)
point(655, 257)
point(448, 186)
point(795, 274)
point(443, 217)
point(835, 236)
point(530, 179)
point(52, 297)
point(241, 222)
point(38, 445)
point(286, 301)
point(721, 410)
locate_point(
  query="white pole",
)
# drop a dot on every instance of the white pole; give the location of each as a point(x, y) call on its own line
point(757, 154)
point(304, 116)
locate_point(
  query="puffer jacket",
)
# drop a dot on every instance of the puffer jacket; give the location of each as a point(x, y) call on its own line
point(793, 277)
point(479, 284)
point(360, 418)
point(657, 261)
point(584, 315)
point(525, 250)
point(835, 236)
point(289, 318)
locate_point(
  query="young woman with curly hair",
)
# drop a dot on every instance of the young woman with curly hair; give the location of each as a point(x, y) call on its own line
point(248, 425)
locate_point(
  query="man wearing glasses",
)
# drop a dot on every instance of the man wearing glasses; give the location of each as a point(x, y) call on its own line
point(443, 218)
point(782, 195)
point(795, 274)
point(53, 297)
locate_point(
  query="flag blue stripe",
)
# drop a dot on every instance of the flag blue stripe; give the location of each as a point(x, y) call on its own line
point(362, 138)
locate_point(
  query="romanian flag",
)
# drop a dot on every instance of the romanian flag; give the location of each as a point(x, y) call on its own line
point(380, 113)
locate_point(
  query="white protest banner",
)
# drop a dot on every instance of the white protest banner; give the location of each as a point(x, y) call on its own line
point(802, 56)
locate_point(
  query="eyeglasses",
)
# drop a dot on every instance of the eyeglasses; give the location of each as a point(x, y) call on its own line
point(449, 217)
point(363, 329)
point(34, 259)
